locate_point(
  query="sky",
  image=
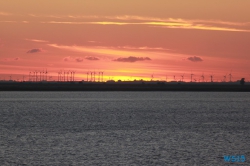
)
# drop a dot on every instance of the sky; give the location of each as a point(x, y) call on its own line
point(127, 40)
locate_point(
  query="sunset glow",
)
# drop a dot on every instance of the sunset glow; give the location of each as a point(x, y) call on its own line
point(161, 40)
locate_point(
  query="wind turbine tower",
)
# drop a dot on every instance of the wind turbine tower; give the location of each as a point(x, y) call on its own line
point(225, 78)
point(40, 75)
point(45, 75)
point(182, 76)
point(211, 76)
point(67, 76)
point(102, 76)
point(30, 76)
point(36, 76)
point(64, 75)
point(71, 75)
point(192, 77)
point(230, 77)
point(74, 75)
point(202, 76)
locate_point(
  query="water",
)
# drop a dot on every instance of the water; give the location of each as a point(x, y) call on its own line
point(123, 128)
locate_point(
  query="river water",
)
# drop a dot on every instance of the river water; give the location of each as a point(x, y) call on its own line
point(123, 128)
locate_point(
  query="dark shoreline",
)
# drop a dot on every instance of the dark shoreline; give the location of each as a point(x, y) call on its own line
point(116, 86)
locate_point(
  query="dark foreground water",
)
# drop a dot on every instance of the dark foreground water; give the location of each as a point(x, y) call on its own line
point(123, 128)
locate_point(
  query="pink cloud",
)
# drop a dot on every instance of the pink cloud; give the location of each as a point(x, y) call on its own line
point(73, 59)
point(91, 58)
point(67, 59)
point(79, 59)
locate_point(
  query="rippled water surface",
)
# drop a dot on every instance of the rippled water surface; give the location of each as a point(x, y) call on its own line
point(123, 128)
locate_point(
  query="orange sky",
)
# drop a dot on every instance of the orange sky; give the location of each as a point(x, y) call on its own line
point(126, 39)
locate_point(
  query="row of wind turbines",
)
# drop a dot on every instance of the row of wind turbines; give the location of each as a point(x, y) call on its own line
point(92, 77)
point(200, 80)
point(203, 78)
point(42, 75)
point(66, 76)
point(38, 75)
point(70, 76)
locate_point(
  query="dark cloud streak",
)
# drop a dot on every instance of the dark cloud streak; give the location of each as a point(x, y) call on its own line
point(12, 59)
point(34, 50)
point(132, 59)
point(195, 59)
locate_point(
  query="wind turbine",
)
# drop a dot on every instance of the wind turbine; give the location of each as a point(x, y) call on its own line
point(87, 76)
point(202, 76)
point(43, 74)
point(36, 76)
point(61, 75)
point(67, 76)
point(40, 76)
point(225, 78)
point(192, 77)
point(30, 76)
point(46, 74)
point(64, 75)
point(230, 77)
point(211, 76)
point(182, 76)
point(100, 76)
point(91, 76)
point(73, 75)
